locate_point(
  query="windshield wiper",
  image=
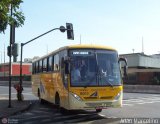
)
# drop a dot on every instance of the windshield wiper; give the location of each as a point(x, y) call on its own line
point(109, 84)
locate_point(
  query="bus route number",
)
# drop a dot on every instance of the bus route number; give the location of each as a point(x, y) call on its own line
point(84, 93)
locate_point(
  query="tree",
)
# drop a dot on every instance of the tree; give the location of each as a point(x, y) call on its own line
point(17, 17)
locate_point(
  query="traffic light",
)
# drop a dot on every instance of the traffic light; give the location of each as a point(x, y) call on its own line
point(9, 51)
point(70, 34)
point(15, 49)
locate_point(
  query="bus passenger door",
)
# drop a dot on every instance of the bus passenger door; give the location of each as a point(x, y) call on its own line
point(64, 77)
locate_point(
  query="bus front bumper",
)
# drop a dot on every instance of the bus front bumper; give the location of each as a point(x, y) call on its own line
point(77, 103)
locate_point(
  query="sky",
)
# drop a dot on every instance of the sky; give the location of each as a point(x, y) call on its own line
point(121, 24)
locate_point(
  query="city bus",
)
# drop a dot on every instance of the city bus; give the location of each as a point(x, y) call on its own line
point(79, 77)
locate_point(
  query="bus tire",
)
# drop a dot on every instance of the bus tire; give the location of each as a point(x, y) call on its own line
point(57, 100)
point(98, 110)
point(42, 101)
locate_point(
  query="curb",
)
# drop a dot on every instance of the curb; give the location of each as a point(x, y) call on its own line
point(18, 111)
point(22, 110)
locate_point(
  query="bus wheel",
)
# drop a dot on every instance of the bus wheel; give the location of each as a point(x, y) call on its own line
point(98, 110)
point(42, 101)
point(57, 100)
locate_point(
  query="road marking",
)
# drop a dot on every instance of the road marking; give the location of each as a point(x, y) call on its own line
point(29, 93)
point(3, 98)
point(102, 115)
point(6, 98)
point(141, 100)
point(128, 104)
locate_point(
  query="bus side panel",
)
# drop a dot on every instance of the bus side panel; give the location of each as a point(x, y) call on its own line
point(65, 94)
point(61, 90)
point(47, 84)
point(35, 84)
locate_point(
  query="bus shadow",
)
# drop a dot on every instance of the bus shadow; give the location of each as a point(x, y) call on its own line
point(77, 116)
point(73, 116)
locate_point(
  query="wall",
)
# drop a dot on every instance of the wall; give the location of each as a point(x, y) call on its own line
point(16, 69)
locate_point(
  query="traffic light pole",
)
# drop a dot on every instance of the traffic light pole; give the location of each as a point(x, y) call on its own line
point(10, 56)
point(10, 59)
point(70, 35)
point(62, 29)
point(20, 83)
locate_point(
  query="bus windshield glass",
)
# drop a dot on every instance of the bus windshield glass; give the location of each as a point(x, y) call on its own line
point(94, 68)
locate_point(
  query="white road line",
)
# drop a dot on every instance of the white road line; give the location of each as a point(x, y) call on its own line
point(2, 98)
point(141, 100)
point(5, 98)
point(148, 102)
point(127, 104)
point(29, 93)
point(102, 115)
point(6, 94)
point(133, 101)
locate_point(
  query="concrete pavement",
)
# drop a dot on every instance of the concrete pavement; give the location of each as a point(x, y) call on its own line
point(16, 107)
point(6, 83)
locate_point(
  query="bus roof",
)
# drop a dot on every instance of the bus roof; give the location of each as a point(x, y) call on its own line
point(79, 46)
point(90, 46)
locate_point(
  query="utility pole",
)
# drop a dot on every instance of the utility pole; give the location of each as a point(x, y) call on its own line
point(1, 57)
point(80, 39)
point(142, 45)
point(47, 48)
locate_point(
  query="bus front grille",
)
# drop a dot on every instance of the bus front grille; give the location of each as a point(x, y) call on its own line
point(101, 104)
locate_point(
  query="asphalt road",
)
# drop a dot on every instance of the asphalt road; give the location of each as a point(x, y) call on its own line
point(135, 105)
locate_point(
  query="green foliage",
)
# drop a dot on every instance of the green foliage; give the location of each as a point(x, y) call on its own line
point(17, 17)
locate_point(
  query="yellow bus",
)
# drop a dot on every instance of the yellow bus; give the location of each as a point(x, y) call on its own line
point(79, 77)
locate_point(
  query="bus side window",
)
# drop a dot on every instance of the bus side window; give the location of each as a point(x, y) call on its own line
point(45, 65)
point(66, 65)
point(49, 63)
point(56, 62)
point(62, 62)
point(36, 67)
point(40, 66)
point(33, 68)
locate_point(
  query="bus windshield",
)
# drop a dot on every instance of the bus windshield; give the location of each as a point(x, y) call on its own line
point(94, 68)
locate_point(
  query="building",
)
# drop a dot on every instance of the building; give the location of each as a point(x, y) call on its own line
point(15, 70)
point(143, 69)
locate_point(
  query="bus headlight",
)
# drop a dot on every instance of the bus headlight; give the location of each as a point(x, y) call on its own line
point(76, 96)
point(118, 95)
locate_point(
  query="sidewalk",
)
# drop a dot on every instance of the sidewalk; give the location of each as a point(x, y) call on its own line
point(16, 107)
point(6, 83)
